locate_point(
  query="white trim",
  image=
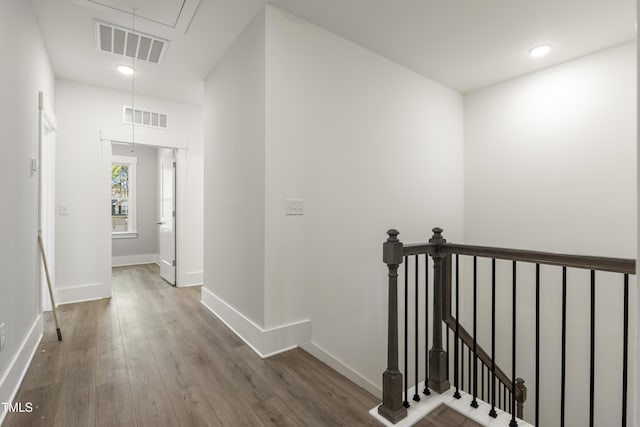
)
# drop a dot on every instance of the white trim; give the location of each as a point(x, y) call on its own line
point(143, 138)
point(421, 409)
point(82, 293)
point(124, 260)
point(12, 378)
point(265, 342)
point(123, 235)
point(192, 278)
point(47, 111)
point(338, 365)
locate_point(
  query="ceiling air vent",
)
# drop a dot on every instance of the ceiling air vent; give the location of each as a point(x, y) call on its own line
point(122, 41)
point(144, 117)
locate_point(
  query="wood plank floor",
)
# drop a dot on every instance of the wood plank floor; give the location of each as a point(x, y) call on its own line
point(443, 416)
point(154, 356)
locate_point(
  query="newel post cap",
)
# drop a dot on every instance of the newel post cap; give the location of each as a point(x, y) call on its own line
point(392, 248)
point(437, 236)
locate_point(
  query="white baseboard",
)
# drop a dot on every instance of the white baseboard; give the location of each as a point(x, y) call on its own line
point(12, 379)
point(338, 365)
point(121, 261)
point(265, 342)
point(80, 293)
point(192, 278)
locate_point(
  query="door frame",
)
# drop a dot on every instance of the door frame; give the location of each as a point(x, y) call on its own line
point(47, 124)
point(180, 146)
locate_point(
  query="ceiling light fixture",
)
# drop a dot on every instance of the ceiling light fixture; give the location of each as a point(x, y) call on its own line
point(540, 51)
point(126, 70)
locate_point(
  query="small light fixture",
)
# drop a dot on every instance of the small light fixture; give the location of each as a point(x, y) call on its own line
point(540, 51)
point(126, 70)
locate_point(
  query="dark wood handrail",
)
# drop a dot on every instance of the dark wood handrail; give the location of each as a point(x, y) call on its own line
point(483, 356)
point(614, 265)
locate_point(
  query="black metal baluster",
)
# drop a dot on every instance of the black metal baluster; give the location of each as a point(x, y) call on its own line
point(446, 331)
point(537, 343)
point(625, 350)
point(474, 401)
point(564, 344)
point(500, 403)
point(482, 380)
point(406, 332)
point(455, 351)
point(416, 396)
point(512, 401)
point(492, 412)
point(426, 326)
point(469, 390)
point(593, 349)
point(461, 365)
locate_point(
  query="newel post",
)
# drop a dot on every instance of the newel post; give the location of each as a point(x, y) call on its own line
point(438, 379)
point(392, 408)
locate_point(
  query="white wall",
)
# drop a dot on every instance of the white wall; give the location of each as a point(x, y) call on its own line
point(147, 174)
point(363, 141)
point(29, 73)
point(369, 145)
point(550, 164)
point(83, 247)
point(234, 175)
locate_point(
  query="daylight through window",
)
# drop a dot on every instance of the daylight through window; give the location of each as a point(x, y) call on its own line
point(123, 170)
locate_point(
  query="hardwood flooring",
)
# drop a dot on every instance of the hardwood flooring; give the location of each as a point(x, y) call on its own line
point(154, 356)
point(443, 416)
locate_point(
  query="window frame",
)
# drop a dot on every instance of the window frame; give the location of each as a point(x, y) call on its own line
point(131, 162)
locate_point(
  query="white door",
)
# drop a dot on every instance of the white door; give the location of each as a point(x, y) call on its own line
point(167, 221)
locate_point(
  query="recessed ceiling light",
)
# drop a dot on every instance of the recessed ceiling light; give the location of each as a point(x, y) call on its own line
point(540, 51)
point(126, 70)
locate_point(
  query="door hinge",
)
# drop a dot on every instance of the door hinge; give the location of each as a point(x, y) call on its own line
point(174, 263)
point(174, 164)
point(174, 214)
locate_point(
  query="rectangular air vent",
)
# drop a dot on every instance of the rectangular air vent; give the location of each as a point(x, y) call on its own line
point(122, 41)
point(144, 117)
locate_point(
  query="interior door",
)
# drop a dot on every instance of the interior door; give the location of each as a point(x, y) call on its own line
point(167, 221)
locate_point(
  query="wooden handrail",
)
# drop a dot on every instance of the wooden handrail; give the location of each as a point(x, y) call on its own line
point(483, 356)
point(614, 265)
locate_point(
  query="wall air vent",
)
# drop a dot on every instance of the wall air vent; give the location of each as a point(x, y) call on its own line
point(144, 117)
point(122, 41)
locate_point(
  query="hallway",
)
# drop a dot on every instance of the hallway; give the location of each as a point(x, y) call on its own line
point(153, 356)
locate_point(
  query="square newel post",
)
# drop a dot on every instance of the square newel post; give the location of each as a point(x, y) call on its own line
point(392, 408)
point(438, 379)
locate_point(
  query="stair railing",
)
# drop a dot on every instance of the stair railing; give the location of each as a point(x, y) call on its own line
point(506, 392)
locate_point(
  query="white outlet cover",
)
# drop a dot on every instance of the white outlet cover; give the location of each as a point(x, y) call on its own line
point(294, 207)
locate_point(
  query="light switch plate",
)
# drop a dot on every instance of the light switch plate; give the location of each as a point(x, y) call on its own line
point(64, 209)
point(294, 207)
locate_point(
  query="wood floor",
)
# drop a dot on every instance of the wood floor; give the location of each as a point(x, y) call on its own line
point(443, 416)
point(154, 356)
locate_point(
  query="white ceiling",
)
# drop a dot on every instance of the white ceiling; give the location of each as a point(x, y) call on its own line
point(165, 12)
point(464, 44)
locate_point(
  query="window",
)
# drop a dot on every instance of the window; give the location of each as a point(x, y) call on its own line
point(123, 196)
